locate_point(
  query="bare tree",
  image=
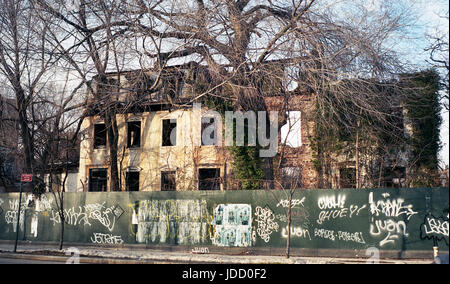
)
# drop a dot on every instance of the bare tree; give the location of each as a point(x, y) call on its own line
point(439, 51)
point(250, 49)
point(25, 64)
point(244, 50)
point(86, 38)
point(94, 38)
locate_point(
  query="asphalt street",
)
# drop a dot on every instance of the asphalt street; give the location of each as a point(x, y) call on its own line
point(27, 261)
point(94, 254)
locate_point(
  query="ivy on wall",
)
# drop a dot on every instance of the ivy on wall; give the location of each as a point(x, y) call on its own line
point(247, 165)
point(414, 104)
point(423, 112)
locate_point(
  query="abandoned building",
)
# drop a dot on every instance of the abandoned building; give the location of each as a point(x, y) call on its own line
point(160, 146)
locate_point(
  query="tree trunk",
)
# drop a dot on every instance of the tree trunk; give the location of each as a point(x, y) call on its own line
point(358, 185)
point(112, 130)
point(61, 232)
point(380, 174)
point(288, 241)
point(25, 131)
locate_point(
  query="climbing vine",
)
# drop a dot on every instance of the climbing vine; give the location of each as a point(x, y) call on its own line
point(411, 102)
point(247, 165)
point(423, 114)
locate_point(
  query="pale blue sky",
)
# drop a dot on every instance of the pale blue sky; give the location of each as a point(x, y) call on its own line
point(432, 19)
point(434, 22)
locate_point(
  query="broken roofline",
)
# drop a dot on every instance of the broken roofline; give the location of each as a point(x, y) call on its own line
point(179, 72)
point(133, 82)
point(144, 106)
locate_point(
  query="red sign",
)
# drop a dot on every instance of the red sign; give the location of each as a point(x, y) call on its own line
point(26, 178)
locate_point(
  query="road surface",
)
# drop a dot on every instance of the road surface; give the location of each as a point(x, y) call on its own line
point(26, 261)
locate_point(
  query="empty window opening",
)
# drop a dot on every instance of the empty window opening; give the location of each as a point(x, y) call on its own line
point(169, 132)
point(98, 178)
point(132, 181)
point(134, 134)
point(99, 135)
point(291, 177)
point(291, 131)
point(347, 178)
point(209, 179)
point(394, 177)
point(209, 131)
point(168, 181)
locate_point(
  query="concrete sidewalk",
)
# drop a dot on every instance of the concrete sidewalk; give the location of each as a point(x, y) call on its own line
point(95, 254)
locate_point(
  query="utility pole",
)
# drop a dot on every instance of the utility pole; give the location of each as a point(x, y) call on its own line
point(24, 178)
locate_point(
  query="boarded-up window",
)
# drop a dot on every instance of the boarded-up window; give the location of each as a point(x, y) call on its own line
point(291, 132)
point(209, 179)
point(99, 135)
point(98, 178)
point(132, 181)
point(169, 132)
point(134, 134)
point(347, 178)
point(168, 181)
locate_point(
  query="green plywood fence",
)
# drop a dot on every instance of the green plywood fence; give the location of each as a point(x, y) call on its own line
point(388, 219)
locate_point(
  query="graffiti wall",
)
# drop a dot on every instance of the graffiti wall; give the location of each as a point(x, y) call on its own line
point(388, 219)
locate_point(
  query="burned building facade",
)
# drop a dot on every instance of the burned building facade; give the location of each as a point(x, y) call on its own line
point(161, 144)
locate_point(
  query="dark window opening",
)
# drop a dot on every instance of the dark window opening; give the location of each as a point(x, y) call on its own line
point(172, 86)
point(98, 179)
point(168, 181)
point(209, 179)
point(99, 135)
point(291, 177)
point(394, 177)
point(169, 132)
point(132, 181)
point(209, 131)
point(347, 178)
point(134, 134)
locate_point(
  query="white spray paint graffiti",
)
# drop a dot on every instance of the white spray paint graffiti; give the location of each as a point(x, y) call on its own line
point(356, 237)
point(34, 225)
point(436, 229)
point(100, 238)
point(296, 232)
point(333, 207)
point(331, 202)
point(200, 250)
point(392, 229)
point(181, 221)
point(11, 214)
point(265, 220)
point(294, 202)
point(435, 226)
point(388, 212)
point(44, 203)
point(83, 215)
point(332, 235)
point(324, 234)
point(232, 223)
point(390, 208)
